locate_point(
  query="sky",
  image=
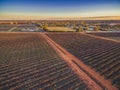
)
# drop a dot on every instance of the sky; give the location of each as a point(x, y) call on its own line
point(58, 8)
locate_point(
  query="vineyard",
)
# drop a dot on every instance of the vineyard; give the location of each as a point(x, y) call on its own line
point(28, 62)
point(5, 28)
point(111, 35)
point(101, 55)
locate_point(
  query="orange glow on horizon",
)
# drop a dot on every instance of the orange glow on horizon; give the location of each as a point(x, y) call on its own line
point(7, 17)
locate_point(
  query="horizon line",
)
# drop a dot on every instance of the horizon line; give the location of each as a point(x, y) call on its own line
point(60, 18)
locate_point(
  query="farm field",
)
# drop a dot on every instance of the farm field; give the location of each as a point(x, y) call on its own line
point(28, 62)
point(60, 29)
point(19, 28)
point(111, 35)
point(5, 28)
point(101, 55)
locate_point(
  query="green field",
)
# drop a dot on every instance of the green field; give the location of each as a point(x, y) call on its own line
point(61, 29)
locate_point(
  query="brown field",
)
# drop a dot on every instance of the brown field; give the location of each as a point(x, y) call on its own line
point(58, 61)
point(102, 55)
point(27, 61)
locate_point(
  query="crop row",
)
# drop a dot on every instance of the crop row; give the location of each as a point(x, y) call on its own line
point(107, 34)
point(101, 55)
point(112, 35)
point(27, 61)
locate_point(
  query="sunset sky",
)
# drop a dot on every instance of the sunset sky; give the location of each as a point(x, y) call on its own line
point(58, 8)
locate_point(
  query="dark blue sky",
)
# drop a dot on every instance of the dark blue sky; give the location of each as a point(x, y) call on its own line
point(56, 8)
point(58, 2)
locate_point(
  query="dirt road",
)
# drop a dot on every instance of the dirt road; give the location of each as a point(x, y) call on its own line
point(100, 37)
point(89, 76)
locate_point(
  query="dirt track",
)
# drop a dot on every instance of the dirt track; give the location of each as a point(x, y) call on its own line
point(100, 37)
point(89, 76)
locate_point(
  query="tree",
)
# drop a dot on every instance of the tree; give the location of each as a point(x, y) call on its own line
point(74, 25)
point(83, 23)
point(97, 28)
point(80, 29)
point(45, 28)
